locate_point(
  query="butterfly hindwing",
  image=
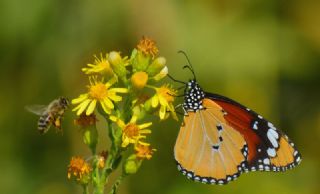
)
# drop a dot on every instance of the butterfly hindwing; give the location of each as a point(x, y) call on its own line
point(269, 148)
point(207, 149)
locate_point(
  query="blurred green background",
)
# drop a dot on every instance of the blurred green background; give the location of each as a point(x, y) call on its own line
point(264, 54)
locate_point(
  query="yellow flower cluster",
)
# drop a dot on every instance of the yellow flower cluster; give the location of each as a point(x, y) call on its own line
point(120, 87)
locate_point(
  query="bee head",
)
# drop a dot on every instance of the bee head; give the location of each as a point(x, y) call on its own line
point(64, 101)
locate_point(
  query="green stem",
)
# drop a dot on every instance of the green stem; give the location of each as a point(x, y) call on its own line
point(85, 189)
point(98, 183)
point(116, 185)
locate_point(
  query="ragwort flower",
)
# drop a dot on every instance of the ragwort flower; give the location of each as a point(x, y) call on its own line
point(164, 98)
point(98, 92)
point(148, 47)
point(79, 168)
point(101, 65)
point(143, 151)
point(132, 133)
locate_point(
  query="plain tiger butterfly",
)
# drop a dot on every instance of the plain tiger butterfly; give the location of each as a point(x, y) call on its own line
point(220, 139)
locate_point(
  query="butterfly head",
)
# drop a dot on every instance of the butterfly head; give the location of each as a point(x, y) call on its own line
point(193, 96)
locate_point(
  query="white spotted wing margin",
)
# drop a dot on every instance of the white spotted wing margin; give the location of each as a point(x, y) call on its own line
point(274, 151)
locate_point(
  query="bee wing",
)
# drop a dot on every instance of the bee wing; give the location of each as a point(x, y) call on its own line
point(36, 109)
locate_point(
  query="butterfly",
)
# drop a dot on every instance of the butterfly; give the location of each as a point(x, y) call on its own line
point(220, 139)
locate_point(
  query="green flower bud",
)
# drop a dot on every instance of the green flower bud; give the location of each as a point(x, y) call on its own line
point(140, 62)
point(156, 66)
point(118, 64)
point(139, 111)
point(131, 165)
point(147, 105)
point(90, 138)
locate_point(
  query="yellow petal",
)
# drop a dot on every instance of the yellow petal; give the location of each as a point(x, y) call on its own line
point(162, 112)
point(145, 125)
point(112, 81)
point(133, 119)
point(163, 101)
point(174, 116)
point(115, 98)
point(108, 103)
point(83, 106)
point(117, 120)
point(154, 101)
point(91, 107)
point(144, 143)
point(145, 131)
point(105, 108)
point(120, 90)
point(125, 142)
point(81, 98)
point(113, 118)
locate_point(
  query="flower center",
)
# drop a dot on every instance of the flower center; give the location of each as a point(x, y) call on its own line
point(98, 91)
point(167, 94)
point(131, 130)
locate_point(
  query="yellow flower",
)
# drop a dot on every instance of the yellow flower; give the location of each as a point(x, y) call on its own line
point(164, 98)
point(144, 151)
point(101, 65)
point(148, 47)
point(79, 168)
point(98, 92)
point(131, 132)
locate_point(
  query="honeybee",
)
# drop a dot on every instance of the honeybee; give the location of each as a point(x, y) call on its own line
point(50, 114)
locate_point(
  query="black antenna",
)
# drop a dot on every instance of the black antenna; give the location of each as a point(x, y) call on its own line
point(189, 66)
point(175, 80)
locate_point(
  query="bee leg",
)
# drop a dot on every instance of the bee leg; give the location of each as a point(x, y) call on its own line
point(57, 124)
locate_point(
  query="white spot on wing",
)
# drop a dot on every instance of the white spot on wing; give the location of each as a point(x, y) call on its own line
point(255, 125)
point(273, 136)
point(271, 152)
point(266, 161)
point(298, 159)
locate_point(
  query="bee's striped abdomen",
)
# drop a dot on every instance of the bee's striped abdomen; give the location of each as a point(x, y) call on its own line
point(44, 122)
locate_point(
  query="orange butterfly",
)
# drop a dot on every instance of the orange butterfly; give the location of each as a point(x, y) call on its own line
point(220, 139)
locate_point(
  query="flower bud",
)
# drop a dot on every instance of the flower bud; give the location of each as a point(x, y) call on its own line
point(163, 73)
point(139, 111)
point(139, 79)
point(140, 62)
point(90, 138)
point(114, 58)
point(118, 64)
point(131, 165)
point(156, 66)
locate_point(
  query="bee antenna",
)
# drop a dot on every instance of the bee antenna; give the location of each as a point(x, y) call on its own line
point(189, 66)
